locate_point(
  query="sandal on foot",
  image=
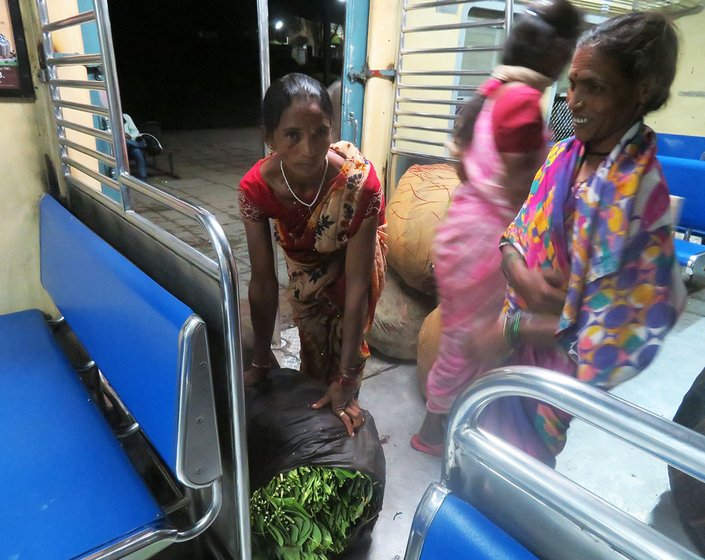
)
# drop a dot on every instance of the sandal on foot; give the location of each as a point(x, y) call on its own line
point(435, 449)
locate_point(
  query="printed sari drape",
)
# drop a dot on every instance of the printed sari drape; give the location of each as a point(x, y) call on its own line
point(610, 238)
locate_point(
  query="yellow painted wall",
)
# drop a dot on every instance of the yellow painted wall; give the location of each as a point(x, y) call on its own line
point(22, 183)
point(685, 111)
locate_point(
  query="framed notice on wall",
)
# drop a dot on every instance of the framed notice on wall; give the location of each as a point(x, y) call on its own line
point(15, 75)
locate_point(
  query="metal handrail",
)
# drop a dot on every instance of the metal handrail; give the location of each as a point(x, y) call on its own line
point(680, 447)
point(102, 134)
point(452, 26)
point(444, 50)
point(437, 3)
point(73, 59)
point(86, 108)
point(106, 159)
point(208, 517)
point(78, 19)
point(79, 84)
point(670, 442)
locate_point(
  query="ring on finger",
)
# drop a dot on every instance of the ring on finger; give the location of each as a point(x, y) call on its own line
point(341, 413)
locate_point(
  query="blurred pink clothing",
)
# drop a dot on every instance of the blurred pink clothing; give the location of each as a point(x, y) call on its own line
point(467, 258)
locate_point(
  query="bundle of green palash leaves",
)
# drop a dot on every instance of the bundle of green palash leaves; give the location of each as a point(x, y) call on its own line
point(310, 513)
point(314, 489)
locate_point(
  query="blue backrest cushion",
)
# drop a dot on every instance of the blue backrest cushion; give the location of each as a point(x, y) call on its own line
point(128, 323)
point(680, 145)
point(686, 178)
point(458, 530)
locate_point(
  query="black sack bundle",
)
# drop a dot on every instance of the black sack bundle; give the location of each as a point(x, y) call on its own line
point(314, 489)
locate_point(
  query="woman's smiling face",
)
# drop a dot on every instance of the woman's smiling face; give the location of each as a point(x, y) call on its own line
point(604, 103)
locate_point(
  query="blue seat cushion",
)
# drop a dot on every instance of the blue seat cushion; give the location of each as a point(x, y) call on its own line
point(68, 486)
point(458, 530)
point(686, 249)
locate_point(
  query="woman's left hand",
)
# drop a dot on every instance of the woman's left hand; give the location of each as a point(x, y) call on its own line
point(344, 405)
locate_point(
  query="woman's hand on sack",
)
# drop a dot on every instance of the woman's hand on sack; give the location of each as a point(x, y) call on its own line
point(344, 405)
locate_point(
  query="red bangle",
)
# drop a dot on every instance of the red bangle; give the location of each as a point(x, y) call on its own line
point(347, 381)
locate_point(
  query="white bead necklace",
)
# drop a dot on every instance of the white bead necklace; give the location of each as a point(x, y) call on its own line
point(320, 186)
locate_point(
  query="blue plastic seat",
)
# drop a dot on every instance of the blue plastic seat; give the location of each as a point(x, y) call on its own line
point(55, 448)
point(445, 527)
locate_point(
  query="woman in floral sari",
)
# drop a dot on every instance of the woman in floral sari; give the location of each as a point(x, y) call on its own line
point(594, 286)
point(328, 211)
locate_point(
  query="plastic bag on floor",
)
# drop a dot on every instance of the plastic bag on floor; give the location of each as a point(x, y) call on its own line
point(314, 489)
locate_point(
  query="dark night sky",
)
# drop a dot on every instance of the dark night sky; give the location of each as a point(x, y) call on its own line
point(195, 64)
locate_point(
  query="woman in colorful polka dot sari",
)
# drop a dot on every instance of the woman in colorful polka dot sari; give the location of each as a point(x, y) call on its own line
point(594, 286)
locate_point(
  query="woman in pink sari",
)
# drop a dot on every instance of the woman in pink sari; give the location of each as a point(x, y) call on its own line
point(502, 142)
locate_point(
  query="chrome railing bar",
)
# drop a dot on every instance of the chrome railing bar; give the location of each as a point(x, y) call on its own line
point(682, 448)
point(108, 160)
point(508, 17)
point(264, 72)
point(426, 115)
point(95, 109)
point(670, 442)
point(411, 153)
point(208, 517)
point(78, 19)
point(68, 160)
point(135, 542)
point(455, 102)
point(74, 60)
point(451, 26)
point(437, 88)
point(623, 533)
point(443, 73)
point(400, 126)
point(399, 65)
point(439, 3)
point(80, 84)
point(444, 50)
point(181, 248)
point(48, 48)
point(417, 141)
point(102, 134)
point(105, 39)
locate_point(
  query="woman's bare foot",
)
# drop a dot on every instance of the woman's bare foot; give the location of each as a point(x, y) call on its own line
point(431, 436)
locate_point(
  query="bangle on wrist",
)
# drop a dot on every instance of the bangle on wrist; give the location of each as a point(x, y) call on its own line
point(350, 375)
point(510, 327)
point(347, 381)
point(260, 366)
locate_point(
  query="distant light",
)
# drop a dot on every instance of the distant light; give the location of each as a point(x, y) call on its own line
point(278, 24)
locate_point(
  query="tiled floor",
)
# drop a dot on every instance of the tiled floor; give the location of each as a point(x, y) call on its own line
point(209, 165)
